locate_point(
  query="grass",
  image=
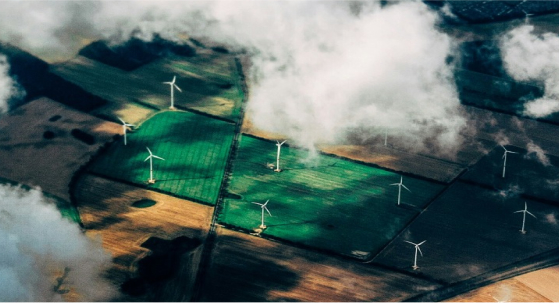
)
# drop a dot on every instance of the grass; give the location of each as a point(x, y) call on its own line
point(195, 149)
point(524, 174)
point(327, 203)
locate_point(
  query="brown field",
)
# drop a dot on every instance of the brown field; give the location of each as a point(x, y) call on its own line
point(31, 159)
point(106, 211)
point(249, 268)
point(536, 286)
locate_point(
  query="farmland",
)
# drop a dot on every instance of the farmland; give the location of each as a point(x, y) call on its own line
point(195, 149)
point(251, 269)
point(471, 230)
point(107, 209)
point(213, 88)
point(328, 198)
point(525, 174)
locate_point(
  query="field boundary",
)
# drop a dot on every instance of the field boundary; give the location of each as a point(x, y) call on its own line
point(209, 243)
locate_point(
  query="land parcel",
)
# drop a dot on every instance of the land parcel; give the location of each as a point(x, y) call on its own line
point(210, 83)
point(195, 149)
point(334, 204)
point(471, 230)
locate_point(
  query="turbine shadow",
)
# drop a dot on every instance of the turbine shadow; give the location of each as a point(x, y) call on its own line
point(294, 223)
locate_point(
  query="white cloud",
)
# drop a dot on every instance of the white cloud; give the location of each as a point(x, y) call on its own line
point(38, 244)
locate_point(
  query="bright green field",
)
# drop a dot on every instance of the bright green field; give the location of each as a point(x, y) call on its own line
point(195, 149)
point(334, 204)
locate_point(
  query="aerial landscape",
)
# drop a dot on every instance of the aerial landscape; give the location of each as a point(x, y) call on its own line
point(319, 151)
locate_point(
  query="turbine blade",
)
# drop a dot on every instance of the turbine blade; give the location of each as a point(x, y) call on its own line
point(268, 211)
point(147, 158)
point(283, 142)
point(128, 124)
point(419, 249)
point(406, 188)
point(157, 157)
point(174, 78)
point(121, 121)
point(410, 242)
point(266, 203)
point(256, 203)
point(513, 152)
point(177, 88)
point(519, 211)
point(149, 151)
point(395, 184)
point(422, 242)
point(167, 83)
point(531, 214)
point(503, 147)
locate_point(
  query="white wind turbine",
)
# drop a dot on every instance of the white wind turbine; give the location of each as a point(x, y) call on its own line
point(263, 207)
point(505, 158)
point(524, 212)
point(278, 144)
point(416, 250)
point(400, 185)
point(173, 86)
point(150, 158)
point(124, 128)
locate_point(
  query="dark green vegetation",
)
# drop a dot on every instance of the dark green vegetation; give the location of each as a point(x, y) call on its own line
point(329, 203)
point(195, 149)
point(144, 203)
point(471, 230)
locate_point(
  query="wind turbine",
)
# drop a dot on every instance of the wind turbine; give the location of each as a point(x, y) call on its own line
point(416, 250)
point(150, 157)
point(524, 212)
point(400, 185)
point(124, 127)
point(173, 86)
point(505, 158)
point(263, 207)
point(278, 144)
point(385, 136)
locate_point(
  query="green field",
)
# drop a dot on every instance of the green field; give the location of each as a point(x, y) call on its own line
point(210, 83)
point(195, 149)
point(332, 204)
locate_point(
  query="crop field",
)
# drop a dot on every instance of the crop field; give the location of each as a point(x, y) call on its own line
point(524, 174)
point(251, 269)
point(214, 89)
point(108, 209)
point(39, 148)
point(331, 203)
point(195, 149)
point(470, 230)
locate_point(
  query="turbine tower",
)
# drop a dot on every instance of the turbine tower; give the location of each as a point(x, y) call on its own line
point(416, 250)
point(263, 207)
point(400, 185)
point(505, 158)
point(524, 212)
point(173, 86)
point(278, 144)
point(124, 128)
point(150, 158)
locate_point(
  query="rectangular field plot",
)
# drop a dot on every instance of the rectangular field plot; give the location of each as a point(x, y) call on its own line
point(195, 149)
point(525, 174)
point(215, 89)
point(332, 204)
point(470, 230)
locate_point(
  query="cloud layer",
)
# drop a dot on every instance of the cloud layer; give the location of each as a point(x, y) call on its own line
point(528, 56)
point(322, 71)
point(38, 245)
